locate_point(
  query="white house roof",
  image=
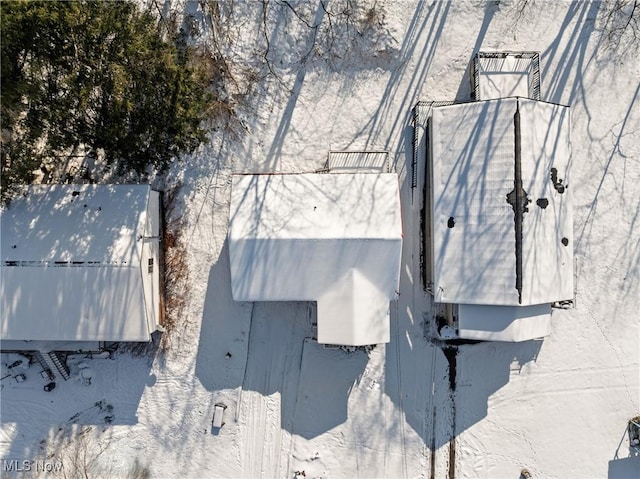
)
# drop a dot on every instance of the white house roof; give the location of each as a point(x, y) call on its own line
point(331, 238)
point(75, 223)
point(73, 303)
point(71, 264)
point(353, 311)
point(315, 206)
point(503, 323)
point(479, 257)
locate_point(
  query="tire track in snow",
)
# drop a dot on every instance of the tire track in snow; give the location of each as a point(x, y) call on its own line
point(569, 387)
point(276, 335)
point(395, 321)
point(592, 316)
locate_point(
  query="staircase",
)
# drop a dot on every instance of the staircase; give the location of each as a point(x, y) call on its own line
point(52, 363)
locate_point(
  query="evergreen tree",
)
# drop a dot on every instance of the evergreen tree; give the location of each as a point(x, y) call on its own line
point(97, 76)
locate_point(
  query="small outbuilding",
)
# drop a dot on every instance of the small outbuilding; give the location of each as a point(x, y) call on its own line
point(331, 238)
point(80, 267)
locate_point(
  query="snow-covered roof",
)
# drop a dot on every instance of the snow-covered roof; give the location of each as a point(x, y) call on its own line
point(331, 238)
point(503, 323)
point(71, 259)
point(315, 206)
point(480, 254)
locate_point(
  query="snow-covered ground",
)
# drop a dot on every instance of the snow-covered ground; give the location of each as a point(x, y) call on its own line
point(557, 407)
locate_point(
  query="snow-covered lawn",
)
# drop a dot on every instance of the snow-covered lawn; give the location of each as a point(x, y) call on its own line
point(557, 407)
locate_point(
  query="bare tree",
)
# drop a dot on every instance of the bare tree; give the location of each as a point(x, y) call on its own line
point(621, 23)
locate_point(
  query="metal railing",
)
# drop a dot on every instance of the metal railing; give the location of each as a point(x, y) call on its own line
point(357, 161)
point(524, 62)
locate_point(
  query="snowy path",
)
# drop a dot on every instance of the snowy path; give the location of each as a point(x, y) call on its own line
point(269, 387)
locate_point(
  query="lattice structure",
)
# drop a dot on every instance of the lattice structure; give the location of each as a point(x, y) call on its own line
point(358, 162)
point(502, 74)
